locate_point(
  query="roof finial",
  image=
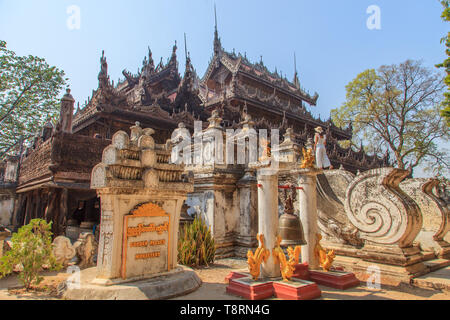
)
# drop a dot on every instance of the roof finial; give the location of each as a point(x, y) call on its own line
point(185, 46)
point(215, 15)
point(296, 81)
point(217, 44)
point(295, 62)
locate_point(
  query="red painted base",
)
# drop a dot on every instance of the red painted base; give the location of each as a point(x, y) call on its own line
point(296, 290)
point(235, 275)
point(334, 279)
point(249, 289)
point(301, 271)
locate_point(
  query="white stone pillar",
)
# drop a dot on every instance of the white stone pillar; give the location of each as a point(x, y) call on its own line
point(307, 196)
point(268, 217)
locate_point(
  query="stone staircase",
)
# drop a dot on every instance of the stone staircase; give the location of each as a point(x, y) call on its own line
point(437, 279)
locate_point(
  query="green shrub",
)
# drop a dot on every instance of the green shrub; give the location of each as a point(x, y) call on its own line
point(196, 245)
point(31, 247)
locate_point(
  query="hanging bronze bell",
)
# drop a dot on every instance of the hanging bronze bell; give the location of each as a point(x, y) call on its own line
point(290, 228)
point(291, 231)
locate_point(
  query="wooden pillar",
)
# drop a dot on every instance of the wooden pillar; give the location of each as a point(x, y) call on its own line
point(28, 208)
point(44, 203)
point(38, 201)
point(49, 210)
point(89, 210)
point(52, 210)
point(61, 220)
point(17, 211)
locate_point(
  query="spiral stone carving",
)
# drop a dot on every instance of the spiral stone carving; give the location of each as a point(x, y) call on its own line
point(333, 222)
point(380, 210)
point(436, 215)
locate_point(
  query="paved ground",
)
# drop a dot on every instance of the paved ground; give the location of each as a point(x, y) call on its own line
point(213, 287)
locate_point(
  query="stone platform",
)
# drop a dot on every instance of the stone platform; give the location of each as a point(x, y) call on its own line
point(241, 284)
point(436, 280)
point(335, 279)
point(178, 282)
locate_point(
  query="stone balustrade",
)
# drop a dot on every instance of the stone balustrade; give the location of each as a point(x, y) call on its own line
point(380, 217)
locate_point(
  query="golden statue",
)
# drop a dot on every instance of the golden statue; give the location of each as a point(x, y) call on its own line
point(308, 159)
point(294, 254)
point(325, 258)
point(265, 146)
point(255, 260)
point(287, 267)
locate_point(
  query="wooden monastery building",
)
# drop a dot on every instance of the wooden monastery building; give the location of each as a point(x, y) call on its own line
point(54, 173)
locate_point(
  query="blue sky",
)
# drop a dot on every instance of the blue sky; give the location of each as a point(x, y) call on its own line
point(330, 38)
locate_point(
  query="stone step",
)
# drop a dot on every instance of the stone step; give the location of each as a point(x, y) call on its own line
point(437, 264)
point(437, 280)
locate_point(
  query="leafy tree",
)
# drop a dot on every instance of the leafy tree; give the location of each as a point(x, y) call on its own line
point(32, 247)
point(29, 90)
point(396, 109)
point(446, 64)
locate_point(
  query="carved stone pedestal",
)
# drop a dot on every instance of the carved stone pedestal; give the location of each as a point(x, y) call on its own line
point(141, 198)
point(250, 289)
point(296, 290)
point(177, 282)
point(244, 286)
point(236, 275)
point(385, 274)
point(335, 279)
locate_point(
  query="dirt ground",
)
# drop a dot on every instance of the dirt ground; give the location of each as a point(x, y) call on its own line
point(213, 287)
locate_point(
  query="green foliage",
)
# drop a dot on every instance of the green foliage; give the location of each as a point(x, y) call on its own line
point(196, 245)
point(396, 109)
point(29, 90)
point(445, 112)
point(32, 247)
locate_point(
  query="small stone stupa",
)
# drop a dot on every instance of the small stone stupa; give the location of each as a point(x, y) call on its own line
point(141, 199)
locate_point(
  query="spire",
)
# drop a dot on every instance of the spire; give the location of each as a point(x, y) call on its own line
point(296, 81)
point(173, 59)
point(174, 49)
point(148, 66)
point(150, 58)
point(185, 46)
point(217, 44)
point(103, 78)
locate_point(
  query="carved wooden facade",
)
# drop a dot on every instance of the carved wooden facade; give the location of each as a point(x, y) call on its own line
point(54, 172)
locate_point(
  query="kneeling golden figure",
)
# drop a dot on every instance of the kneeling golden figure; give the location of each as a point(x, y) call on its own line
point(255, 260)
point(325, 258)
point(287, 267)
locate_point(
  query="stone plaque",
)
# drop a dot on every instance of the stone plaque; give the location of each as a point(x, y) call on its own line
point(146, 242)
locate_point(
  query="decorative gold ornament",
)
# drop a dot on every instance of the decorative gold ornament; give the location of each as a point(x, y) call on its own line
point(255, 260)
point(308, 159)
point(325, 258)
point(287, 267)
point(265, 146)
point(294, 254)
